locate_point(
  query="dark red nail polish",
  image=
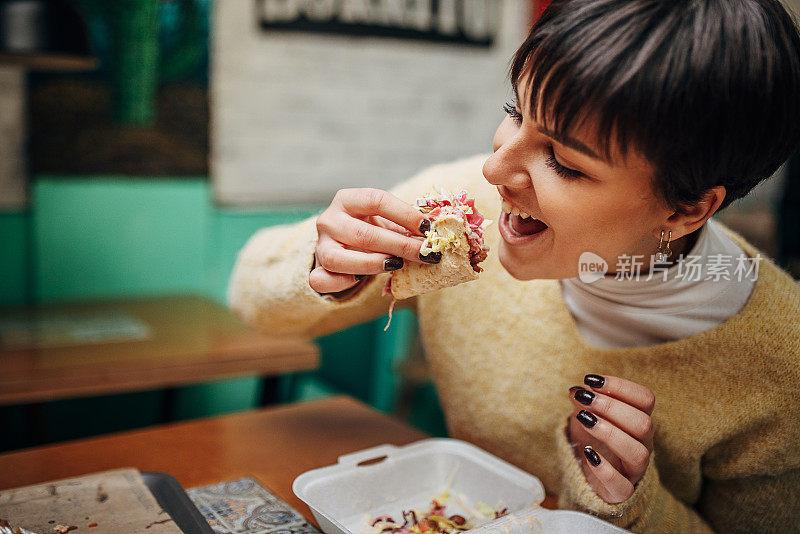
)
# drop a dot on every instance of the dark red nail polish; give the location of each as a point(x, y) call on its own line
point(573, 388)
point(431, 257)
point(594, 381)
point(587, 419)
point(359, 277)
point(425, 226)
point(584, 396)
point(392, 264)
point(592, 456)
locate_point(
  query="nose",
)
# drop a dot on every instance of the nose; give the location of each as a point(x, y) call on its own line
point(505, 167)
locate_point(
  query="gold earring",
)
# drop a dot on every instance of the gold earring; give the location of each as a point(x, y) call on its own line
point(663, 252)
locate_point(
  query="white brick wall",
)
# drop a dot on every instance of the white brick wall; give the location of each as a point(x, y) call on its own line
point(12, 138)
point(297, 116)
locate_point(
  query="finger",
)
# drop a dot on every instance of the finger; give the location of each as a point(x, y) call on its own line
point(389, 225)
point(591, 476)
point(580, 437)
point(367, 202)
point(335, 258)
point(632, 453)
point(636, 395)
point(362, 235)
point(324, 281)
point(632, 420)
point(607, 482)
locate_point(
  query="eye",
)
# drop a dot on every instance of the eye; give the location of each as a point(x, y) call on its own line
point(564, 172)
point(511, 109)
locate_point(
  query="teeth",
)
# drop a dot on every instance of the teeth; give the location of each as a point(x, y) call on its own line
point(508, 208)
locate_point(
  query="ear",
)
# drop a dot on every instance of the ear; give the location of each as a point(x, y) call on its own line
point(690, 218)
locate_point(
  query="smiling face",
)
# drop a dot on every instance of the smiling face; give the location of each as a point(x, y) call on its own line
point(588, 204)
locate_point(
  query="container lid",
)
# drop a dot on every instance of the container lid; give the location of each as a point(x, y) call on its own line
point(389, 479)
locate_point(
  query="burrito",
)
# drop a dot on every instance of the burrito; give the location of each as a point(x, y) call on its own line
point(455, 238)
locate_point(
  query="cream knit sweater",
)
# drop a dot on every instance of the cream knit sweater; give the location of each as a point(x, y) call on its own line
point(504, 353)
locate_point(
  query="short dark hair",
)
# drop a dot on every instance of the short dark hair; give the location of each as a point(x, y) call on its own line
point(707, 90)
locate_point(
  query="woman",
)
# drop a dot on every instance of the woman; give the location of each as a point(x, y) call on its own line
point(635, 121)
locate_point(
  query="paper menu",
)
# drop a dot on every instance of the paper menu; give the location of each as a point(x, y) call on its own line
point(108, 502)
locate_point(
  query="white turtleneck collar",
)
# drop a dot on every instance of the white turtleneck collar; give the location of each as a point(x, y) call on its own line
point(616, 313)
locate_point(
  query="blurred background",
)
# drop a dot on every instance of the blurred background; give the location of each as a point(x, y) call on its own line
point(143, 142)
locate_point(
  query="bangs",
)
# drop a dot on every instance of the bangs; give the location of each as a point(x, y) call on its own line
point(600, 64)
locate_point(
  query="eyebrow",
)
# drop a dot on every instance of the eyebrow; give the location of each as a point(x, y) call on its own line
point(563, 139)
point(570, 142)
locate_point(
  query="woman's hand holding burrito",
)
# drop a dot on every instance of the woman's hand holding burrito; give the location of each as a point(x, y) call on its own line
point(363, 232)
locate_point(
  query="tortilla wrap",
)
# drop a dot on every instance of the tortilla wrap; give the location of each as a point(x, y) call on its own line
point(455, 268)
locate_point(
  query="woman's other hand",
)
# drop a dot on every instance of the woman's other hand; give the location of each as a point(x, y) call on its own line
point(363, 232)
point(613, 431)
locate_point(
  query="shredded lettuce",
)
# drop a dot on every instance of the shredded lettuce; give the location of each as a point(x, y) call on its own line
point(439, 239)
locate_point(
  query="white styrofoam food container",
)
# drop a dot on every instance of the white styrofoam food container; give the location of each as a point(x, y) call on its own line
point(386, 480)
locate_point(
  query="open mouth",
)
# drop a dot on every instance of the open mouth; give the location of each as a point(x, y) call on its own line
point(520, 223)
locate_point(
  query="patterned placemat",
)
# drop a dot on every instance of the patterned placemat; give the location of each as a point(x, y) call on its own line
point(246, 507)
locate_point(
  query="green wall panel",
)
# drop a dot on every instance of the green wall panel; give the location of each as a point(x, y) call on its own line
point(230, 230)
point(346, 359)
point(390, 349)
point(96, 238)
point(214, 398)
point(14, 258)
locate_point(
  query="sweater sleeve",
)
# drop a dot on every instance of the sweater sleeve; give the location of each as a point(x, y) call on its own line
point(745, 504)
point(269, 287)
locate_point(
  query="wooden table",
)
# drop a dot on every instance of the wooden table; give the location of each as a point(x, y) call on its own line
point(162, 342)
point(274, 445)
